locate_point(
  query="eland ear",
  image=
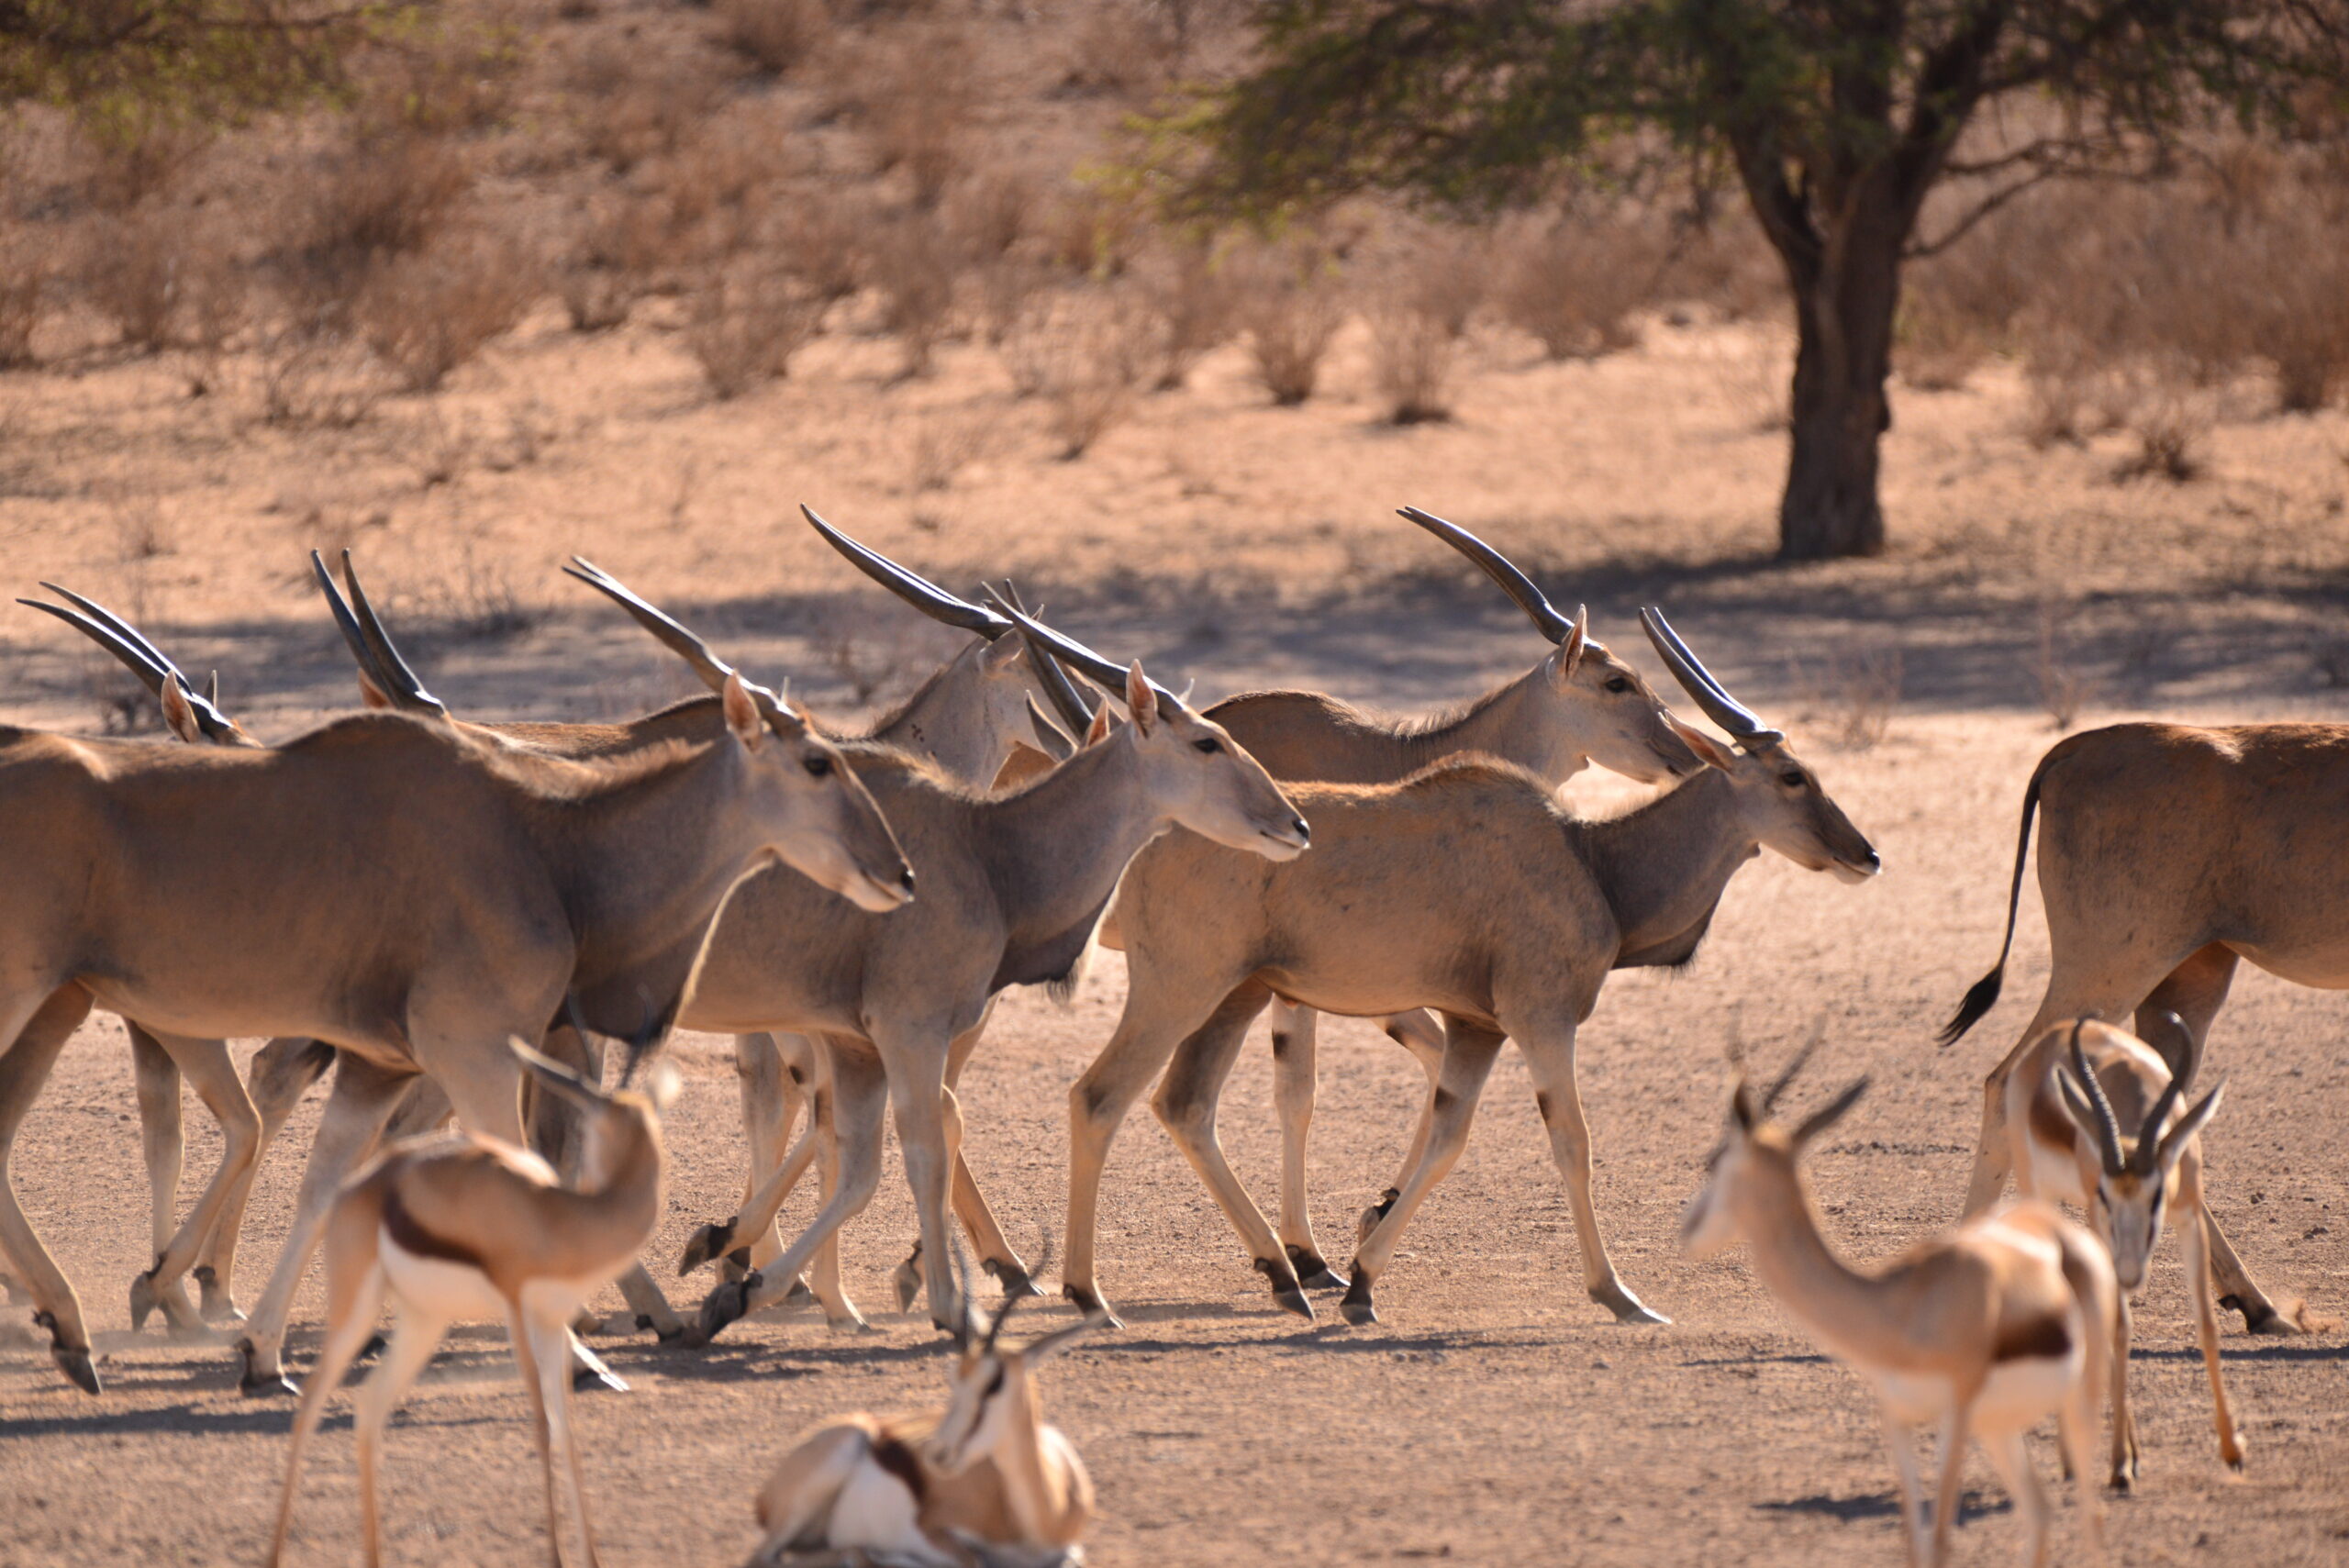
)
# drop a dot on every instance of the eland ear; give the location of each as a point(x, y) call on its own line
point(1098, 729)
point(1709, 750)
point(1142, 698)
point(179, 714)
point(741, 712)
point(370, 696)
point(1568, 658)
point(1000, 653)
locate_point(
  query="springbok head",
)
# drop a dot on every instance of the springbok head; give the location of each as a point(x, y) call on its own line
point(994, 680)
point(821, 820)
point(1756, 1154)
point(1780, 797)
point(612, 1122)
point(2136, 1170)
point(1199, 777)
point(994, 1395)
point(1589, 703)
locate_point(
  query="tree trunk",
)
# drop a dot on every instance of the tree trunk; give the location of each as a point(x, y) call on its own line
point(1843, 357)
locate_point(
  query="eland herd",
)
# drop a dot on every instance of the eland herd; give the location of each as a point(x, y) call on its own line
point(456, 917)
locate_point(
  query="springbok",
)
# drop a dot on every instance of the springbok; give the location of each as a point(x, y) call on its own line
point(1014, 885)
point(2171, 852)
point(2095, 1118)
point(461, 1228)
point(1465, 888)
point(412, 894)
point(984, 1480)
point(1984, 1329)
point(1578, 705)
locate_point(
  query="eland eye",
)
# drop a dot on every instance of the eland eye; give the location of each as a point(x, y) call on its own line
point(1792, 779)
point(818, 767)
point(1618, 684)
point(1206, 748)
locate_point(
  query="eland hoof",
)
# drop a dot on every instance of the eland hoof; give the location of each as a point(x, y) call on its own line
point(1627, 1307)
point(1014, 1279)
point(144, 1299)
point(725, 1304)
point(909, 1281)
point(219, 1305)
point(76, 1364)
point(1286, 1293)
point(1356, 1308)
point(1313, 1270)
point(711, 1242)
point(255, 1383)
point(1089, 1302)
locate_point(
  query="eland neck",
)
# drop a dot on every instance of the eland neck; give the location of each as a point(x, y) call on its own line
point(1505, 722)
point(1665, 866)
point(1054, 850)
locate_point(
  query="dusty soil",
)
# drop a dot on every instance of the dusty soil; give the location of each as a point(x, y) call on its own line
point(1493, 1417)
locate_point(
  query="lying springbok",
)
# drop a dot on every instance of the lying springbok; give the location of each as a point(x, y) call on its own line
point(452, 1228)
point(480, 883)
point(2170, 852)
point(1983, 1330)
point(1578, 705)
point(1014, 885)
point(1465, 888)
point(983, 1481)
point(2095, 1118)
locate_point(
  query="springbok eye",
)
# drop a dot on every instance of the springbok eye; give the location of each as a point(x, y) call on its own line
point(818, 767)
point(995, 1384)
point(1206, 748)
point(1618, 684)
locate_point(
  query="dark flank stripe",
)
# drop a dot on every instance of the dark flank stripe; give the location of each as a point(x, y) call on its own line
point(892, 1454)
point(2036, 1338)
point(411, 1236)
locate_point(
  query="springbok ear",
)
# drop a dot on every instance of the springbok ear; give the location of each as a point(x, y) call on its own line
point(1709, 750)
point(1568, 658)
point(1831, 1113)
point(1741, 1108)
point(179, 714)
point(2182, 1131)
point(555, 1076)
point(370, 696)
point(1142, 699)
point(741, 713)
point(1043, 1348)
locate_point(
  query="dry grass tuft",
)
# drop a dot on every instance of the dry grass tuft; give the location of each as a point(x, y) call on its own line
point(747, 322)
point(1193, 291)
point(630, 105)
point(427, 313)
point(27, 265)
point(1291, 306)
point(1103, 344)
point(944, 444)
point(913, 265)
point(916, 93)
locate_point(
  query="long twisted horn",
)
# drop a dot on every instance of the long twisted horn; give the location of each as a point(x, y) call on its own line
point(1500, 569)
point(1067, 701)
point(1084, 661)
point(363, 630)
point(713, 671)
point(916, 590)
point(1707, 692)
point(2108, 1128)
point(141, 657)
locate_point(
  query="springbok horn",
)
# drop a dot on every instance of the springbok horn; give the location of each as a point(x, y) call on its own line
point(406, 689)
point(1500, 569)
point(1709, 694)
point(1779, 1085)
point(918, 591)
point(2108, 1128)
point(2175, 1045)
point(1067, 701)
point(1084, 661)
point(143, 658)
point(2149, 1137)
point(393, 678)
point(1042, 1265)
point(713, 671)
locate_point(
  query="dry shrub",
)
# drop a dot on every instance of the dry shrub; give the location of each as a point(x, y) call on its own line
point(370, 199)
point(313, 378)
point(747, 322)
point(916, 93)
point(2063, 686)
point(1291, 306)
point(1094, 232)
point(620, 246)
point(913, 267)
point(944, 444)
point(164, 278)
point(460, 76)
point(1008, 288)
point(775, 35)
point(1122, 48)
point(2171, 415)
point(631, 103)
point(1854, 694)
point(427, 313)
point(1097, 347)
point(1192, 289)
point(130, 159)
point(1574, 284)
point(823, 236)
point(1753, 366)
point(1418, 323)
point(988, 213)
point(27, 264)
point(716, 189)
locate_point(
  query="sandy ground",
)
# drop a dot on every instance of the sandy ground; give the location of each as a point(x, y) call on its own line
point(1494, 1416)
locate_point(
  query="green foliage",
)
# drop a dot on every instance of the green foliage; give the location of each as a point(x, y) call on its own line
point(124, 66)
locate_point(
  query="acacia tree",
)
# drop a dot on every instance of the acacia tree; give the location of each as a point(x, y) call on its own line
point(110, 59)
point(1838, 117)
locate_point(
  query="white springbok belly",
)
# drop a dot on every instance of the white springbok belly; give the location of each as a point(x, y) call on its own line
point(875, 1512)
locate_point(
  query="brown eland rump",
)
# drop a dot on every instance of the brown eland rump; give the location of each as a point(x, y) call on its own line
point(1577, 705)
point(2097, 1118)
point(412, 894)
point(1981, 1332)
point(449, 1228)
point(1466, 889)
point(2169, 854)
point(986, 1480)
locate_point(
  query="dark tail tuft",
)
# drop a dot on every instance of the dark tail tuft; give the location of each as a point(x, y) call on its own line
point(1980, 1000)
